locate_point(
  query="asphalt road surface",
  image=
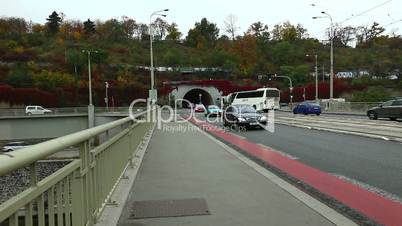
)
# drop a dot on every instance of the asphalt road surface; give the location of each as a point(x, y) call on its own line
point(375, 164)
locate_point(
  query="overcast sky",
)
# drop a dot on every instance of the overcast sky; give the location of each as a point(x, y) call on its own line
point(186, 12)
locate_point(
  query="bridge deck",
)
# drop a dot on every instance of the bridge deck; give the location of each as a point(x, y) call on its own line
point(184, 165)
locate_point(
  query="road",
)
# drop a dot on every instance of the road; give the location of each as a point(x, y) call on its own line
point(372, 163)
point(383, 128)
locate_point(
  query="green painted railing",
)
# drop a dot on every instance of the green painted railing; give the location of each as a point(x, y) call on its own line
point(76, 194)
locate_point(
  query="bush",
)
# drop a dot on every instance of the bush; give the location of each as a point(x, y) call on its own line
point(19, 78)
point(376, 94)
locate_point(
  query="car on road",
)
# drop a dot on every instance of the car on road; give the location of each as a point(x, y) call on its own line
point(213, 110)
point(12, 146)
point(391, 109)
point(243, 116)
point(307, 108)
point(199, 108)
point(36, 110)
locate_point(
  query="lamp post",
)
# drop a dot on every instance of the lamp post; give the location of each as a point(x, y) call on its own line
point(290, 86)
point(331, 76)
point(316, 77)
point(91, 112)
point(200, 97)
point(106, 97)
point(152, 91)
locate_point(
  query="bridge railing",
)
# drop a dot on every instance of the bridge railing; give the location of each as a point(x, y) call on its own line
point(77, 193)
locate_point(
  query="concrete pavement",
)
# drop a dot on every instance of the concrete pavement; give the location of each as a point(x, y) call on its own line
point(180, 165)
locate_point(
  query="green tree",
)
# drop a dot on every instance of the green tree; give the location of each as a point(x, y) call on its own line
point(173, 32)
point(48, 80)
point(77, 61)
point(112, 30)
point(365, 35)
point(260, 31)
point(204, 34)
point(89, 27)
point(172, 57)
point(53, 23)
point(19, 77)
point(298, 73)
point(288, 32)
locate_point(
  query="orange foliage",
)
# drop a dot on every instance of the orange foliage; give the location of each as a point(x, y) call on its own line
point(246, 49)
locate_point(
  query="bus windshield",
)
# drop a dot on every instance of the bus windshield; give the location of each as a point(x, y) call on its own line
point(250, 94)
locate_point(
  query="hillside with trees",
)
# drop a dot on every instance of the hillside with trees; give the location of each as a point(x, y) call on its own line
point(44, 63)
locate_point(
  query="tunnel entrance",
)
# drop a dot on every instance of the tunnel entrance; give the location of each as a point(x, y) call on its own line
point(195, 96)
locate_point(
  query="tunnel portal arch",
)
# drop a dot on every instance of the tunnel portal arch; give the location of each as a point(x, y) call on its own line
point(197, 96)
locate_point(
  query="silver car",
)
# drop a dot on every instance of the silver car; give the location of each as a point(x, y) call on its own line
point(12, 146)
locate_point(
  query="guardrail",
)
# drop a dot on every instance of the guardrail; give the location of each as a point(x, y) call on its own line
point(67, 110)
point(77, 193)
point(343, 107)
point(358, 107)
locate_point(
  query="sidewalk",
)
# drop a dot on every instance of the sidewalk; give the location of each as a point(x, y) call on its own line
point(184, 165)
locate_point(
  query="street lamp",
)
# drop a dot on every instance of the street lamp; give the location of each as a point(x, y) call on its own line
point(200, 97)
point(90, 106)
point(331, 80)
point(152, 91)
point(290, 85)
point(107, 98)
point(316, 77)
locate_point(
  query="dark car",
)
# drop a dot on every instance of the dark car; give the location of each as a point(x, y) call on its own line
point(391, 109)
point(307, 108)
point(243, 115)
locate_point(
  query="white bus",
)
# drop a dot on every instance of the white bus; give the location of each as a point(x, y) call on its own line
point(262, 99)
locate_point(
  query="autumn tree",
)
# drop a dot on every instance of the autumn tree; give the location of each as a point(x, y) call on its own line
point(246, 49)
point(13, 27)
point(53, 23)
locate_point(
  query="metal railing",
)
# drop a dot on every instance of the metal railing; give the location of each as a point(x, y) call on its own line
point(355, 107)
point(342, 107)
point(77, 193)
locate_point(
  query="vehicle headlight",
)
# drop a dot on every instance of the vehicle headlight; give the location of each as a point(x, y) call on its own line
point(241, 119)
point(263, 118)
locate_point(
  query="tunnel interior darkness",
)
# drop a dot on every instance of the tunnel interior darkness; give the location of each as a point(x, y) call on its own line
point(193, 96)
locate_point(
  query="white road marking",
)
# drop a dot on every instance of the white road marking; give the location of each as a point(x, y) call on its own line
point(371, 188)
point(279, 152)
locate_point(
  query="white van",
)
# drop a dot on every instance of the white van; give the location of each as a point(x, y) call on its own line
point(36, 110)
point(262, 99)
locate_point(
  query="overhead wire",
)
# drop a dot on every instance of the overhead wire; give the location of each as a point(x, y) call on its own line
point(360, 14)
